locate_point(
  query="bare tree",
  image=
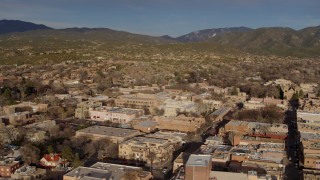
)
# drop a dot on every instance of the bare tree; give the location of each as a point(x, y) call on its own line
point(30, 154)
point(151, 156)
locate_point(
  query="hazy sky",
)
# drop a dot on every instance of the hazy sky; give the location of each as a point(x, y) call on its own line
point(159, 17)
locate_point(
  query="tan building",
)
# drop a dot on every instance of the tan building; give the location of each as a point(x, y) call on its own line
point(116, 135)
point(180, 123)
point(198, 167)
point(139, 148)
point(138, 100)
point(104, 171)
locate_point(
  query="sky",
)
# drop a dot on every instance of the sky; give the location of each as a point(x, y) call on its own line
point(164, 17)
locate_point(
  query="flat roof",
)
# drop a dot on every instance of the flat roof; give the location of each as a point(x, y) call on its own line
point(142, 140)
point(109, 131)
point(102, 170)
point(199, 160)
point(307, 136)
point(221, 111)
point(228, 175)
point(147, 123)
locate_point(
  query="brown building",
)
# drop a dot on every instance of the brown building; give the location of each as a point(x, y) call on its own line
point(198, 167)
point(8, 167)
point(179, 123)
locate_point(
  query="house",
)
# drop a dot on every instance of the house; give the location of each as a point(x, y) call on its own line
point(53, 161)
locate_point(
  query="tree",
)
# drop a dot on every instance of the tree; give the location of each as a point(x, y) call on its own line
point(2, 151)
point(281, 93)
point(301, 94)
point(146, 110)
point(295, 96)
point(50, 149)
point(112, 151)
point(234, 91)
point(67, 153)
point(131, 175)
point(30, 154)
point(7, 94)
point(76, 161)
point(231, 137)
point(151, 156)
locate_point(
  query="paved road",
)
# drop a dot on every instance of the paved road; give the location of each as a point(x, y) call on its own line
point(293, 170)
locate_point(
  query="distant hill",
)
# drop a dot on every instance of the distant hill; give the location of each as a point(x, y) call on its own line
point(275, 40)
point(83, 41)
point(167, 37)
point(206, 34)
point(11, 26)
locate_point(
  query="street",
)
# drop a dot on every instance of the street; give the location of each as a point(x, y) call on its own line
point(293, 169)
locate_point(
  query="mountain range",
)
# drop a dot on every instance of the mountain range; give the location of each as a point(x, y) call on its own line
point(272, 40)
point(11, 26)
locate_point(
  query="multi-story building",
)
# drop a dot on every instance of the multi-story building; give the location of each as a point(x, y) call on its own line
point(8, 167)
point(138, 100)
point(114, 114)
point(180, 123)
point(141, 148)
point(103, 171)
point(116, 135)
point(198, 167)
